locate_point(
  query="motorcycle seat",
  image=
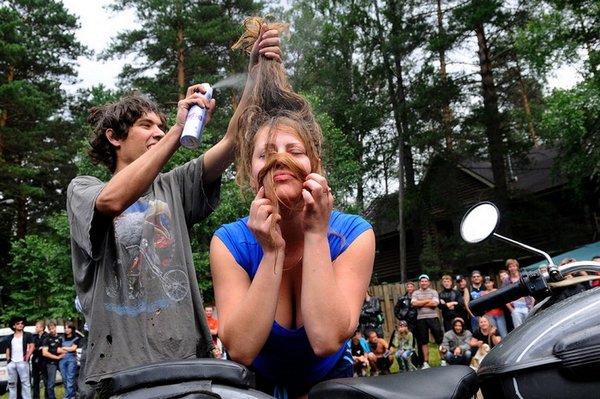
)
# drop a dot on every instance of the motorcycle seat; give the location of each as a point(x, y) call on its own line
point(219, 371)
point(452, 382)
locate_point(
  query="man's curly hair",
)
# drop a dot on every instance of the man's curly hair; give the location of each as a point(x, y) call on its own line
point(119, 117)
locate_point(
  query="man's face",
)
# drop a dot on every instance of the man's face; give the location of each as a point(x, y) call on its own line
point(39, 328)
point(372, 337)
point(19, 326)
point(462, 284)
point(447, 283)
point(208, 311)
point(52, 330)
point(458, 327)
point(410, 288)
point(143, 135)
point(424, 283)
point(476, 279)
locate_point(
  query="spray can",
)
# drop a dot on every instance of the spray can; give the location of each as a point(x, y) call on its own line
point(194, 123)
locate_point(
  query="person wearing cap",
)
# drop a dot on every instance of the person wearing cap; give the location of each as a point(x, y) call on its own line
point(18, 351)
point(426, 300)
point(456, 346)
point(403, 346)
point(475, 291)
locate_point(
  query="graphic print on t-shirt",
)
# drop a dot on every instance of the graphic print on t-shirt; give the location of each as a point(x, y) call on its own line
point(147, 277)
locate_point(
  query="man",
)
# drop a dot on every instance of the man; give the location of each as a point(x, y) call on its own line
point(213, 327)
point(132, 259)
point(451, 302)
point(475, 291)
point(371, 316)
point(380, 357)
point(426, 300)
point(18, 351)
point(456, 346)
point(38, 363)
point(52, 342)
point(403, 310)
point(360, 350)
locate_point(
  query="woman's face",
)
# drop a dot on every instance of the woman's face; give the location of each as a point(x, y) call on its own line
point(280, 140)
point(483, 323)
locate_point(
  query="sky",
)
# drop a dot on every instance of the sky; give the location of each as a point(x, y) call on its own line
point(98, 26)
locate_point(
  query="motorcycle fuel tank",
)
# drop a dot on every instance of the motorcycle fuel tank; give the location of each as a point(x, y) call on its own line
point(555, 353)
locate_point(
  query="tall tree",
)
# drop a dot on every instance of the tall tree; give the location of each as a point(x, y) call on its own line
point(39, 51)
point(179, 43)
point(478, 17)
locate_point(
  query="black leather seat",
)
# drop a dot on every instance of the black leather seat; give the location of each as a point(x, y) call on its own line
point(451, 382)
point(216, 370)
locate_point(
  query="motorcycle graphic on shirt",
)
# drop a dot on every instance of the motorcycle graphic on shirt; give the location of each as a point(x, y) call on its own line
point(148, 275)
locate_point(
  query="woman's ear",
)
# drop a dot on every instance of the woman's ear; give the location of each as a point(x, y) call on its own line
point(110, 136)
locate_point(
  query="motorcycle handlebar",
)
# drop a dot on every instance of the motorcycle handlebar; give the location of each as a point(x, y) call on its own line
point(498, 298)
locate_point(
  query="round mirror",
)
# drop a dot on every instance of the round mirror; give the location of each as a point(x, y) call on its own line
point(479, 222)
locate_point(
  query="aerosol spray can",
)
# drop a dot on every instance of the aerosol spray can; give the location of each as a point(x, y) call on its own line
point(194, 123)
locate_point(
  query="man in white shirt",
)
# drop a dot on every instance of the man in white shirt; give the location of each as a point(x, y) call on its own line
point(19, 349)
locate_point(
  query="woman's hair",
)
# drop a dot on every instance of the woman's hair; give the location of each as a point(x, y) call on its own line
point(70, 325)
point(272, 104)
point(510, 262)
point(119, 117)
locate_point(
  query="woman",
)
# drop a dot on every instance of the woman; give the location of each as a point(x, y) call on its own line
point(484, 339)
point(68, 364)
point(495, 315)
point(290, 278)
point(486, 334)
point(519, 309)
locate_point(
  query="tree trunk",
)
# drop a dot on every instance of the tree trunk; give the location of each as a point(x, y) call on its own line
point(527, 107)
point(10, 77)
point(396, 99)
point(181, 63)
point(446, 111)
point(491, 116)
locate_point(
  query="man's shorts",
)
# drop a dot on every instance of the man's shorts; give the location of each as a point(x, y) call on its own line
point(426, 325)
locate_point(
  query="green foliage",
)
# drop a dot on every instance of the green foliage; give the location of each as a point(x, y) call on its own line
point(37, 53)
point(571, 122)
point(41, 280)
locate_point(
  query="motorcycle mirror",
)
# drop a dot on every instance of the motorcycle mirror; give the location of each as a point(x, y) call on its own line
point(479, 222)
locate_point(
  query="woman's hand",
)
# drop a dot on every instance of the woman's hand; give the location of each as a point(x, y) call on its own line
point(194, 97)
point(318, 203)
point(264, 224)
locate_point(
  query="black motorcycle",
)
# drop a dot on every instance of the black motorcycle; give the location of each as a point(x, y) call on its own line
point(555, 353)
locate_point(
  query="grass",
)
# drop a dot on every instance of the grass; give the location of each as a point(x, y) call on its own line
point(434, 359)
point(58, 390)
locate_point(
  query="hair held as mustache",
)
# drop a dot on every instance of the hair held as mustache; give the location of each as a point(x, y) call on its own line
point(265, 176)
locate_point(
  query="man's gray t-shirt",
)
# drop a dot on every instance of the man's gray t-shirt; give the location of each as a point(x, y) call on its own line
point(135, 275)
point(426, 312)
